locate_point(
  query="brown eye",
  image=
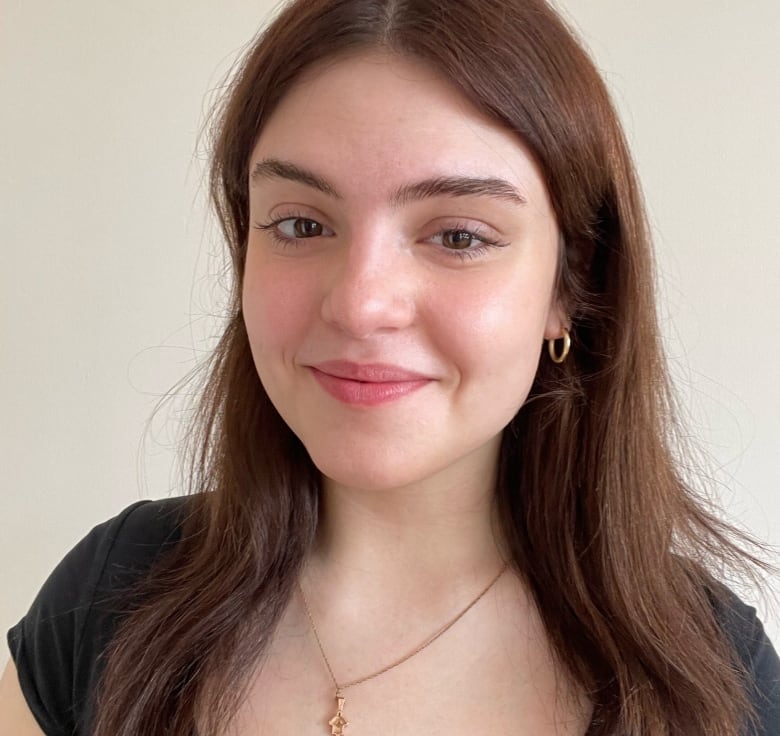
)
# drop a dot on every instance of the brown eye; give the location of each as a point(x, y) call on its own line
point(303, 228)
point(291, 229)
point(457, 239)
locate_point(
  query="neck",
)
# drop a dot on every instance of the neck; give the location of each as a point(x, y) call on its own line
point(403, 562)
point(438, 534)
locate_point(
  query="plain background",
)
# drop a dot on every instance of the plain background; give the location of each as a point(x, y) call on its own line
point(109, 272)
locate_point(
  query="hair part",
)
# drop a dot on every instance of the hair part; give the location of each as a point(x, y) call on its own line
point(589, 494)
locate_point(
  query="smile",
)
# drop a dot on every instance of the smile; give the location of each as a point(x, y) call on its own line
point(367, 384)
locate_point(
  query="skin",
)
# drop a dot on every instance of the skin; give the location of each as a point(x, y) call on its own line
point(378, 286)
point(15, 716)
point(341, 266)
point(407, 532)
point(409, 483)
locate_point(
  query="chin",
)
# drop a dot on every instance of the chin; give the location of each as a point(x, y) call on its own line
point(367, 474)
point(370, 465)
point(376, 466)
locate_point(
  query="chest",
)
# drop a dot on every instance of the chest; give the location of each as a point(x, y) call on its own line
point(492, 680)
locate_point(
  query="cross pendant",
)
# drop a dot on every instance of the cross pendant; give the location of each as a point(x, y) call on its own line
point(338, 723)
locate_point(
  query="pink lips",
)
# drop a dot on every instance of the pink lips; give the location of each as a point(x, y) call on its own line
point(367, 384)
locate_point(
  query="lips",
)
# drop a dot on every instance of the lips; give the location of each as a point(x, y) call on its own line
point(367, 384)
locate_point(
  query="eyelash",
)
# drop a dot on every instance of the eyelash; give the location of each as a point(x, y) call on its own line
point(279, 238)
point(476, 233)
point(464, 254)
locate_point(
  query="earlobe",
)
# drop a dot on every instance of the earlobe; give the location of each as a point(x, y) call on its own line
point(557, 328)
point(559, 356)
point(557, 322)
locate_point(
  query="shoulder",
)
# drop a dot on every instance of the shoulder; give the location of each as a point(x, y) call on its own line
point(57, 645)
point(109, 557)
point(757, 657)
point(131, 541)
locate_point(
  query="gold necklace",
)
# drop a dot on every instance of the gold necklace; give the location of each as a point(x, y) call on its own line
point(339, 722)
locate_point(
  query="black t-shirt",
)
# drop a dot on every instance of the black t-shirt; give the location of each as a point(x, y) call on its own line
point(57, 646)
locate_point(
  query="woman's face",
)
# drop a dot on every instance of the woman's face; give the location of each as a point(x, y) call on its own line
point(399, 275)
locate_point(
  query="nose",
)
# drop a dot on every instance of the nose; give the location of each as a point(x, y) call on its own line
point(371, 289)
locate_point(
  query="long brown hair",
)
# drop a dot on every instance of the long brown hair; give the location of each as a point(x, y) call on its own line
point(609, 538)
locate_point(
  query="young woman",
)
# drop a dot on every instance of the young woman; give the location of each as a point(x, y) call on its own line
point(434, 487)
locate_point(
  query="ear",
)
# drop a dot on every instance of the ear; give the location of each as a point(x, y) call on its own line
point(557, 321)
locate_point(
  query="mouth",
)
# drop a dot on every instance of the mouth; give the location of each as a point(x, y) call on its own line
point(367, 384)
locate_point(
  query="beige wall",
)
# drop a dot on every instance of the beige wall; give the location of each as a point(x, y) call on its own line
point(105, 247)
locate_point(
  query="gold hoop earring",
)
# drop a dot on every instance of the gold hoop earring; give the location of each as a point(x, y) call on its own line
point(559, 357)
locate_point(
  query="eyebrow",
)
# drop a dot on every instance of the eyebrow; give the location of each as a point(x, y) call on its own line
point(273, 168)
point(443, 186)
point(458, 186)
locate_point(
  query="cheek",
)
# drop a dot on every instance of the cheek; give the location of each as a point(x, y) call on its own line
point(276, 308)
point(497, 328)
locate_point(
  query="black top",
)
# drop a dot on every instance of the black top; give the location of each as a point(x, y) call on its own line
point(57, 645)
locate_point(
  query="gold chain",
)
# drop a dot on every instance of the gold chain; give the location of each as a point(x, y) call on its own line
point(393, 665)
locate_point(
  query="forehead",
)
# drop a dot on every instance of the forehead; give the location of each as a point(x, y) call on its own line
point(374, 121)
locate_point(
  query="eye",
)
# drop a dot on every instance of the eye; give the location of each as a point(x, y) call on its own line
point(300, 227)
point(292, 229)
point(465, 242)
point(459, 239)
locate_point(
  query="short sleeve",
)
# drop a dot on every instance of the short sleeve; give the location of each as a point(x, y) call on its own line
point(760, 661)
point(56, 647)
